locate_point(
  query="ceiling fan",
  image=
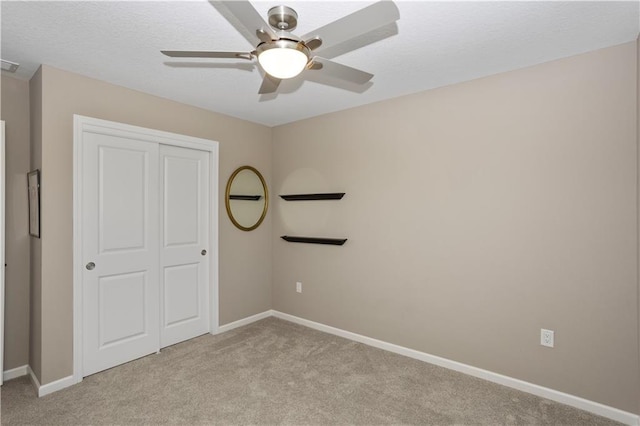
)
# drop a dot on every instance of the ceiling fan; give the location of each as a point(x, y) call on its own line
point(283, 55)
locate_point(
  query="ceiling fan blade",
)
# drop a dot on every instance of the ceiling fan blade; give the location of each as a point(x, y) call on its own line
point(269, 85)
point(249, 17)
point(343, 72)
point(358, 23)
point(207, 54)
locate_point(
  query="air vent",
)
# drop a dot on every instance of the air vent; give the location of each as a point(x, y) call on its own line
point(9, 66)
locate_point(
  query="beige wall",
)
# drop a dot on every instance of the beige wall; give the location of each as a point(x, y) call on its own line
point(35, 294)
point(15, 113)
point(245, 257)
point(478, 214)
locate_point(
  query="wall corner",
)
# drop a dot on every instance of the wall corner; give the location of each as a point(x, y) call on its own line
point(35, 276)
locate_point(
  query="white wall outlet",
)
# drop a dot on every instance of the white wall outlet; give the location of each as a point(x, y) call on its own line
point(299, 287)
point(546, 337)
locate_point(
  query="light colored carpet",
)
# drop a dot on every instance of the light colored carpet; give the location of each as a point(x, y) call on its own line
point(277, 372)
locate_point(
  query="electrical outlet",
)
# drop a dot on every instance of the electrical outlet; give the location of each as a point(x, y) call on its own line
point(546, 337)
point(299, 287)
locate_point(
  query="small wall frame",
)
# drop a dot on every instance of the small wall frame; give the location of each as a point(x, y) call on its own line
point(33, 183)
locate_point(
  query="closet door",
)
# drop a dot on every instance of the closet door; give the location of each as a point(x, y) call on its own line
point(184, 248)
point(120, 250)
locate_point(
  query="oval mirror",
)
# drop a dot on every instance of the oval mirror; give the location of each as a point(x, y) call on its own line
point(246, 198)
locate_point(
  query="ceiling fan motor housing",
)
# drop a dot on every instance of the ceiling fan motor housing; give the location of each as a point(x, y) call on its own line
point(283, 18)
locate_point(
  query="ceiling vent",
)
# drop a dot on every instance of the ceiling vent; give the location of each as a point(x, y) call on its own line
point(9, 66)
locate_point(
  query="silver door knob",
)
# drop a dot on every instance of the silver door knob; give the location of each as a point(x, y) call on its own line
point(90, 266)
point(203, 252)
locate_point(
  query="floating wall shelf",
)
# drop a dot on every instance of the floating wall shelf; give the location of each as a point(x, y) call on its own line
point(314, 240)
point(245, 197)
point(309, 197)
point(306, 197)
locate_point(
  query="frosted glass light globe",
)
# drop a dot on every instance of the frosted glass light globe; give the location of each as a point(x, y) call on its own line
point(283, 61)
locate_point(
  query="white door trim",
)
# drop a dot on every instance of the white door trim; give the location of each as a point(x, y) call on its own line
point(82, 124)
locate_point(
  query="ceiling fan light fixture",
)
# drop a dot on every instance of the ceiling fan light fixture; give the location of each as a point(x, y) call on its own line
point(283, 59)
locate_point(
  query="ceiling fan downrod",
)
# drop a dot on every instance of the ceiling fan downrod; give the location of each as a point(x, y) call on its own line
point(283, 18)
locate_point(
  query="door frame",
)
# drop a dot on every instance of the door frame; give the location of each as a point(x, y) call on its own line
point(82, 124)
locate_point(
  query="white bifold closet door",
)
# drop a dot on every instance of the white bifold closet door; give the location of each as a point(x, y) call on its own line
point(145, 215)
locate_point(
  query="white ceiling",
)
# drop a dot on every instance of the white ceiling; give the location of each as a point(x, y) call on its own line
point(432, 45)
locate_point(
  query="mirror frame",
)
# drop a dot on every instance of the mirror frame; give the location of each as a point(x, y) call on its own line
point(228, 204)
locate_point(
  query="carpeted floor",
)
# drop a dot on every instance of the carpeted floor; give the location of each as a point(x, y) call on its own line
point(276, 372)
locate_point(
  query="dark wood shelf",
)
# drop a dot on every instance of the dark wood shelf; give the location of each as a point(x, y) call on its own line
point(245, 197)
point(308, 197)
point(315, 240)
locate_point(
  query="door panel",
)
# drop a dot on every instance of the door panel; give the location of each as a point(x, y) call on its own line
point(128, 292)
point(121, 228)
point(184, 215)
point(120, 223)
point(181, 293)
point(182, 195)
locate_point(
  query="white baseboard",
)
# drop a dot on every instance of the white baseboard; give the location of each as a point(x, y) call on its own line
point(34, 379)
point(244, 321)
point(14, 372)
point(54, 386)
point(554, 395)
